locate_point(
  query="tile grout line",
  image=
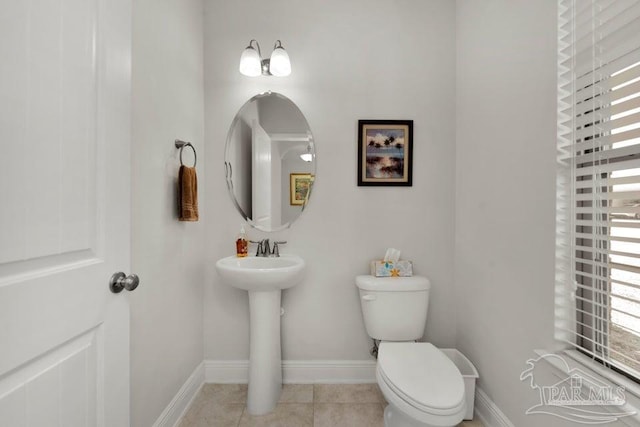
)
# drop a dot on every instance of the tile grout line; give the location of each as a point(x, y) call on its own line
point(242, 413)
point(313, 405)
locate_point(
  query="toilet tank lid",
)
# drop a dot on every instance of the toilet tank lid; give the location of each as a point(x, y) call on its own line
point(393, 284)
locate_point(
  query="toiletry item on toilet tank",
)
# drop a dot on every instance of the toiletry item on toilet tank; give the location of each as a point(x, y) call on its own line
point(242, 244)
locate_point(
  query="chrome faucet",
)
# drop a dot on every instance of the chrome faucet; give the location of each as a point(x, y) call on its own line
point(264, 250)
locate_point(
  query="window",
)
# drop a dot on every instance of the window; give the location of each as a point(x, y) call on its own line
point(598, 228)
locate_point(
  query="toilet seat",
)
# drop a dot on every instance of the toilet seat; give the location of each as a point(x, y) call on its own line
point(420, 380)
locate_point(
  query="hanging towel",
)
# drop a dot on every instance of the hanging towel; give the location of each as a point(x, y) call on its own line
point(188, 193)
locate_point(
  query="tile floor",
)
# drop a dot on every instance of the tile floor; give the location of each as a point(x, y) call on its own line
point(301, 405)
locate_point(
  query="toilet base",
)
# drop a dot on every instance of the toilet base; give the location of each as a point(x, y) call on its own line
point(393, 417)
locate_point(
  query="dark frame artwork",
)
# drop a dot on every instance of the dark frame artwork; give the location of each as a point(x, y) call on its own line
point(385, 153)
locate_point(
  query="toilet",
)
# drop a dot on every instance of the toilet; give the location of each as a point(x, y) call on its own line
point(423, 387)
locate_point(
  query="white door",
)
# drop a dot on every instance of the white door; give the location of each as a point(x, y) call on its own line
point(64, 212)
point(261, 177)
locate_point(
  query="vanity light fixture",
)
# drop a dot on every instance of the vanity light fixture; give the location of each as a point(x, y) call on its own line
point(252, 64)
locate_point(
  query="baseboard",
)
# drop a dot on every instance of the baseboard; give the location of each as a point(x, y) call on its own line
point(179, 405)
point(296, 371)
point(226, 371)
point(488, 412)
point(328, 371)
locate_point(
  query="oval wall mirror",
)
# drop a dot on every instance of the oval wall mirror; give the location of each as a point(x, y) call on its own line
point(270, 161)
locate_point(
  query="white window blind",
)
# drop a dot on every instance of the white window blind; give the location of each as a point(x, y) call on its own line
point(598, 227)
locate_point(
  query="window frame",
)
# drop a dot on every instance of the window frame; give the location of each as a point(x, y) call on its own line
point(584, 228)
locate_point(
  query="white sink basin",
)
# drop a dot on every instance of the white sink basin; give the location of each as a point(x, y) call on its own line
point(261, 273)
point(264, 279)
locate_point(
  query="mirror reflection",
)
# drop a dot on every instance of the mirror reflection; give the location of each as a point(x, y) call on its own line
point(270, 161)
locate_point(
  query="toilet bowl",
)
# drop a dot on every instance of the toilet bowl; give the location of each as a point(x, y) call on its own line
point(422, 386)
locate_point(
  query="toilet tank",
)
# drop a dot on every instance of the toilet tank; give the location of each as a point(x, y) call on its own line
point(394, 308)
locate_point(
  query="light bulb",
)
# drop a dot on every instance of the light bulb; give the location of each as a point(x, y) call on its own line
point(279, 65)
point(250, 63)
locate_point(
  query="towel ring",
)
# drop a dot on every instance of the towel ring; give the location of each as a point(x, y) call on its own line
point(181, 144)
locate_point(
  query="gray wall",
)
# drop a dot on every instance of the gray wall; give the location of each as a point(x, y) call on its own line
point(505, 193)
point(350, 61)
point(166, 310)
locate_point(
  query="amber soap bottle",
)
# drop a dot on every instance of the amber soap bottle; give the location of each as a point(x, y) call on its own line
point(242, 246)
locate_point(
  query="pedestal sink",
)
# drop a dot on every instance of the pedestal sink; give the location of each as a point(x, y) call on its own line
point(264, 278)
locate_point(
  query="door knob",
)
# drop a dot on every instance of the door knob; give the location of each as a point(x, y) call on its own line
point(119, 281)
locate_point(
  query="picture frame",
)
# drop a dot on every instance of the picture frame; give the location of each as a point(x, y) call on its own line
point(299, 188)
point(385, 153)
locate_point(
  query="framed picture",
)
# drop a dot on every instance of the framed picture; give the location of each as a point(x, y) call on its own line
point(385, 151)
point(299, 187)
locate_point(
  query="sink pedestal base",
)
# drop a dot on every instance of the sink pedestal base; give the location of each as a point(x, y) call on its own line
point(265, 358)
